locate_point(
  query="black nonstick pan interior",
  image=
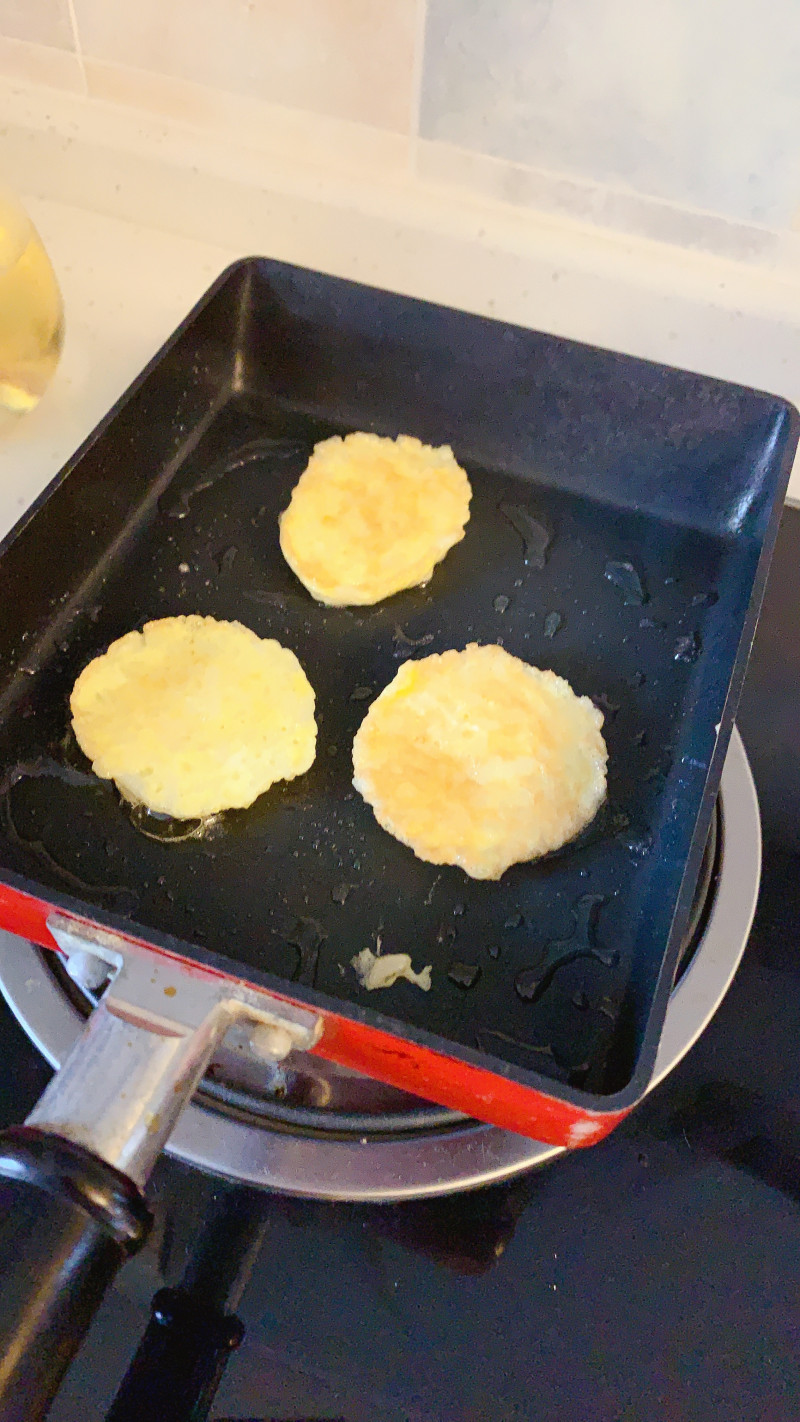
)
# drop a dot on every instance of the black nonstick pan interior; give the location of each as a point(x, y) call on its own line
point(618, 531)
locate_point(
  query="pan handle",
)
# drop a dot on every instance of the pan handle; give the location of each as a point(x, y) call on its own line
point(68, 1221)
point(71, 1179)
point(193, 1329)
point(180, 1361)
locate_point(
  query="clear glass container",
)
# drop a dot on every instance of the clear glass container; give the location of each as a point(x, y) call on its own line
point(31, 311)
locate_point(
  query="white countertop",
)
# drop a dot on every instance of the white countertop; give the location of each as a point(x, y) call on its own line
point(125, 289)
point(126, 285)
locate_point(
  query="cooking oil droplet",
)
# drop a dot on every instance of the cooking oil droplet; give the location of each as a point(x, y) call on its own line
point(552, 623)
point(263, 448)
point(640, 845)
point(609, 957)
point(493, 950)
point(606, 705)
point(515, 920)
point(705, 599)
point(465, 975)
point(536, 535)
point(637, 679)
point(527, 982)
point(307, 936)
point(501, 603)
point(688, 648)
point(428, 900)
point(693, 762)
point(623, 575)
point(361, 693)
point(163, 827)
point(341, 893)
point(403, 642)
point(122, 898)
point(226, 559)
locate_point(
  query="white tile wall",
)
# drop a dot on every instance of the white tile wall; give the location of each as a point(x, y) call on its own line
point(692, 101)
point(673, 119)
point(37, 21)
point(350, 59)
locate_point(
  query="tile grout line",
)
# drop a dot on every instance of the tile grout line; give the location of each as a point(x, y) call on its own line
point(599, 190)
point(76, 40)
point(416, 84)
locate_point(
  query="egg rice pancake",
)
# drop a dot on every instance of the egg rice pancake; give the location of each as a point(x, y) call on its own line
point(191, 716)
point(475, 758)
point(370, 516)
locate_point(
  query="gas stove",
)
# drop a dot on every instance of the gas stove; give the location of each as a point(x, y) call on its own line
point(309, 1127)
point(655, 1271)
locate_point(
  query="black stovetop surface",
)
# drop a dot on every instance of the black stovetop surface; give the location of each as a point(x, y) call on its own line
point(656, 1275)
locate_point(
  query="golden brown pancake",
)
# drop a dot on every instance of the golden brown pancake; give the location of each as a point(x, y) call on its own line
point(370, 516)
point(191, 716)
point(477, 759)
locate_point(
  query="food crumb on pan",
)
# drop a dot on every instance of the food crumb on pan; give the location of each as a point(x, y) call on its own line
point(375, 970)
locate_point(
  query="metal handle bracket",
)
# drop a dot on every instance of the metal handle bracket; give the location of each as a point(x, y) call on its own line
point(147, 1044)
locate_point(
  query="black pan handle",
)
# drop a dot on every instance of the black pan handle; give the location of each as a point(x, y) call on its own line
point(179, 1363)
point(67, 1222)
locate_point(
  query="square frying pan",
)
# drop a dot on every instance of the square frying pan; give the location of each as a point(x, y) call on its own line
point(622, 522)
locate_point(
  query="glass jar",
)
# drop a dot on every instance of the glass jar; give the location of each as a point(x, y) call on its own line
point(31, 311)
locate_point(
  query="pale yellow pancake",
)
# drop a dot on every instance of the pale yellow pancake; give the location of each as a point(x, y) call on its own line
point(477, 759)
point(371, 516)
point(191, 716)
